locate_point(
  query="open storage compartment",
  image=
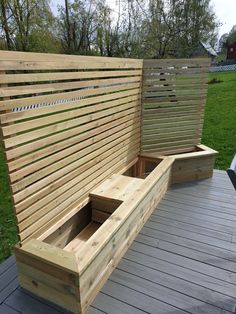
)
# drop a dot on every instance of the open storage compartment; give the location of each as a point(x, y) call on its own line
point(188, 166)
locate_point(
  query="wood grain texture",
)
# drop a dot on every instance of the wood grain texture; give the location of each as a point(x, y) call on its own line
point(174, 95)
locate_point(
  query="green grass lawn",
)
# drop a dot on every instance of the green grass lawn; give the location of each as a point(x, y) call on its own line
point(7, 221)
point(219, 130)
point(219, 133)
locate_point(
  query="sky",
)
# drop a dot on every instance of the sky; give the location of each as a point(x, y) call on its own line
point(225, 11)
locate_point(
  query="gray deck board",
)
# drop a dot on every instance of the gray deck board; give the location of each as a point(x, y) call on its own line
point(182, 261)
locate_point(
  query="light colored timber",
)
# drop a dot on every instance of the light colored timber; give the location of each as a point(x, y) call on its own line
point(117, 187)
point(152, 72)
point(173, 99)
point(79, 241)
point(25, 126)
point(160, 125)
point(72, 135)
point(164, 83)
point(54, 87)
point(48, 213)
point(63, 76)
point(44, 142)
point(55, 149)
point(168, 152)
point(169, 106)
point(63, 217)
point(159, 113)
point(112, 225)
point(99, 216)
point(73, 129)
point(16, 116)
point(69, 159)
point(58, 65)
point(165, 87)
point(149, 134)
point(84, 61)
point(124, 116)
point(59, 97)
point(63, 183)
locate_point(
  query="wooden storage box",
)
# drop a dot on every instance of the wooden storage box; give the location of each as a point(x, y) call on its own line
point(71, 264)
point(190, 166)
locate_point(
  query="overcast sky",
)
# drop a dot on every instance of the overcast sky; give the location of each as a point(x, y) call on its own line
point(224, 9)
point(226, 13)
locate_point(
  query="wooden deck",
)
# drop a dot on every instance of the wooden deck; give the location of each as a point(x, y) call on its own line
point(183, 260)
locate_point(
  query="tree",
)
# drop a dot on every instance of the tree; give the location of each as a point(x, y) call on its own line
point(153, 28)
point(231, 38)
point(175, 27)
point(25, 22)
point(76, 26)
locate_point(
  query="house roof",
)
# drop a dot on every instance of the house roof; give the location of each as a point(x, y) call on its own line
point(209, 49)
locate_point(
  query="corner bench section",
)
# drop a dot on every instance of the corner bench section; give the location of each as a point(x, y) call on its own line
point(194, 165)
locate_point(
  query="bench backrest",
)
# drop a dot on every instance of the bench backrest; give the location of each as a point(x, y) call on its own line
point(174, 96)
point(68, 123)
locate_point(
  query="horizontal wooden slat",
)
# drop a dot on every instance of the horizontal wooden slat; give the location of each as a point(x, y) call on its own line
point(63, 76)
point(108, 109)
point(60, 97)
point(203, 62)
point(84, 60)
point(68, 189)
point(51, 191)
point(55, 87)
point(170, 105)
point(68, 160)
point(166, 87)
point(174, 71)
point(16, 116)
point(101, 125)
point(29, 147)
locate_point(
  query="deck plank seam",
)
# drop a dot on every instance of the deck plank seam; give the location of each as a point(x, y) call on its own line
point(166, 287)
point(189, 281)
point(184, 267)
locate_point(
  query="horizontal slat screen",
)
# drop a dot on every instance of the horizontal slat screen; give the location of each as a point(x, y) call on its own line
point(68, 123)
point(174, 96)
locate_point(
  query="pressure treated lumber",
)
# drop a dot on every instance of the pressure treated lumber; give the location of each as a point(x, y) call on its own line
point(78, 273)
point(174, 96)
point(86, 142)
point(65, 131)
point(195, 165)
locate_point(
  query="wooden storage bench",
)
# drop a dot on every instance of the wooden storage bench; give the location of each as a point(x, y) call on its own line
point(91, 145)
point(70, 269)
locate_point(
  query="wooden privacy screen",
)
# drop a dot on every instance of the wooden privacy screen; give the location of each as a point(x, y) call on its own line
point(174, 95)
point(68, 122)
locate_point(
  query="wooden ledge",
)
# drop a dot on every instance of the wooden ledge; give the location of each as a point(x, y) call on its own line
point(202, 151)
point(118, 187)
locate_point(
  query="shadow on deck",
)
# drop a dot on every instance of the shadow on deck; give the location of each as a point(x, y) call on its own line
point(183, 260)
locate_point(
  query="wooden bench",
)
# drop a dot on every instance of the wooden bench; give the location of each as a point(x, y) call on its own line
point(91, 146)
